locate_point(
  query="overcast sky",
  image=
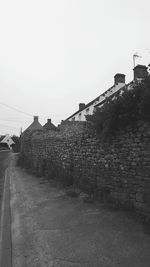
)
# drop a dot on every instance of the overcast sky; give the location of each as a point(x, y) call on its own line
point(55, 54)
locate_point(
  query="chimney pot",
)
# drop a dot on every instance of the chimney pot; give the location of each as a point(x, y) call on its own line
point(36, 118)
point(119, 78)
point(81, 106)
point(49, 120)
point(140, 72)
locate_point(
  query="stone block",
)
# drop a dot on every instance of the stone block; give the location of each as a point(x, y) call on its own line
point(147, 198)
point(139, 197)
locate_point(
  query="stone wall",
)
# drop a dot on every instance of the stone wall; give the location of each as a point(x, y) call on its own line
point(117, 170)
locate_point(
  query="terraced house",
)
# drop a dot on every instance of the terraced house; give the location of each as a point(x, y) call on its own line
point(140, 72)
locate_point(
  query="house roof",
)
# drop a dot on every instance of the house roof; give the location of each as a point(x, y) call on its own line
point(2, 137)
point(86, 106)
point(35, 125)
point(6, 138)
point(49, 125)
point(92, 102)
point(128, 86)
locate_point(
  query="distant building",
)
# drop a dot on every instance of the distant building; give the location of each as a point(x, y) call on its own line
point(34, 126)
point(6, 141)
point(140, 72)
point(49, 126)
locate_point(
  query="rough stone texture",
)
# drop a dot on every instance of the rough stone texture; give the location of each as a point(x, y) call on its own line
point(117, 170)
point(51, 229)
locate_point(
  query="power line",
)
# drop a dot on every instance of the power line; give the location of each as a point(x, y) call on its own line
point(20, 111)
point(7, 126)
point(13, 120)
point(16, 109)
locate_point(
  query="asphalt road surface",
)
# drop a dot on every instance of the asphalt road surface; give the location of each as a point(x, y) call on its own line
point(50, 229)
point(5, 216)
point(4, 161)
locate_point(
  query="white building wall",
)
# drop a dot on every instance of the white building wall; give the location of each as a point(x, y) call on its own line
point(80, 116)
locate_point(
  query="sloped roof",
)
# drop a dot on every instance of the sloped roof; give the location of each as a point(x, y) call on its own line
point(92, 102)
point(86, 106)
point(49, 126)
point(6, 138)
point(35, 125)
point(2, 137)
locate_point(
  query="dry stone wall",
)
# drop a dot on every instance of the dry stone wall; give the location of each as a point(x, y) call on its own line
point(117, 170)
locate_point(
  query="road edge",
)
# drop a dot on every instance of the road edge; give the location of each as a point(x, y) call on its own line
point(5, 231)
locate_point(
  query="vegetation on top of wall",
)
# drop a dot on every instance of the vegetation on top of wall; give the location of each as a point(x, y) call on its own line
point(125, 110)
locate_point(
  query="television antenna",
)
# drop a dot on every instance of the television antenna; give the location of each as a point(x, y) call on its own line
point(135, 56)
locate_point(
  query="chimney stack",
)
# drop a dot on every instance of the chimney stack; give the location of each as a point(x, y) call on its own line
point(140, 72)
point(119, 78)
point(49, 120)
point(81, 106)
point(36, 118)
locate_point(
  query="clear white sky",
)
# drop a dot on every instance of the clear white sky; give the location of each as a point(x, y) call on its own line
point(55, 54)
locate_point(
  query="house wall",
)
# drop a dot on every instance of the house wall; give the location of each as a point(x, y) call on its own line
point(80, 116)
point(118, 170)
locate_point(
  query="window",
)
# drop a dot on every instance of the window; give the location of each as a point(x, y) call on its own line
point(87, 111)
point(79, 116)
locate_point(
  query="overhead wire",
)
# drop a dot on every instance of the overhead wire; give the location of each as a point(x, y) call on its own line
point(8, 126)
point(20, 111)
point(16, 109)
point(4, 126)
point(13, 120)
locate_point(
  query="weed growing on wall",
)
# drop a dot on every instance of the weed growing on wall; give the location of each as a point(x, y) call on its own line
point(25, 162)
point(56, 172)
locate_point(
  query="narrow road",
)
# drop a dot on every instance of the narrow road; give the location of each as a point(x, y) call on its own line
point(5, 214)
point(4, 160)
point(50, 229)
